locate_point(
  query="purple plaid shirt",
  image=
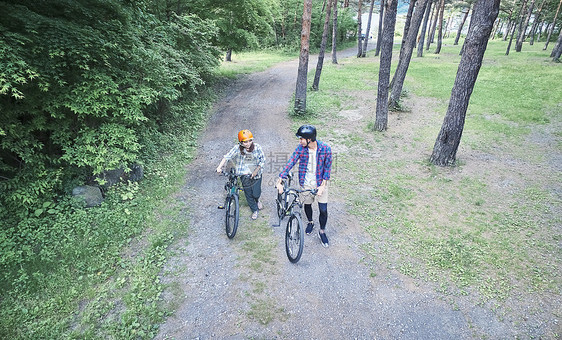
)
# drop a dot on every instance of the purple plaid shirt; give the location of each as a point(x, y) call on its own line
point(323, 163)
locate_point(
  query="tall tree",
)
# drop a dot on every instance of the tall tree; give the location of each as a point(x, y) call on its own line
point(407, 26)
point(523, 29)
point(322, 47)
point(240, 23)
point(368, 30)
point(431, 32)
point(536, 23)
point(379, 33)
point(514, 27)
point(448, 140)
point(335, 33)
point(359, 30)
point(459, 30)
point(552, 27)
point(440, 31)
point(421, 38)
point(404, 62)
point(300, 92)
point(381, 116)
point(405, 34)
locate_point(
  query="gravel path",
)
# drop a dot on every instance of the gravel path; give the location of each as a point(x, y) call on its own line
point(332, 293)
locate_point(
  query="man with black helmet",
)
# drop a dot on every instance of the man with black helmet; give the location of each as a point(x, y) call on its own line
point(315, 164)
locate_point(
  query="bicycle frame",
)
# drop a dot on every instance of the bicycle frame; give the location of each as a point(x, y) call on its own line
point(290, 199)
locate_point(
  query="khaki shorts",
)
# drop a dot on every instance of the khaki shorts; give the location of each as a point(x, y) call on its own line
point(308, 198)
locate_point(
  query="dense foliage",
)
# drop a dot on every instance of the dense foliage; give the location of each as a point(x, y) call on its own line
point(88, 93)
point(88, 86)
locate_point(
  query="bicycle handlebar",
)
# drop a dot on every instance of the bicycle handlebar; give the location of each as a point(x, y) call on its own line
point(300, 191)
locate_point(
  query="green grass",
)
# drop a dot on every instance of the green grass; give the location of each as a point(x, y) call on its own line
point(446, 225)
point(249, 62)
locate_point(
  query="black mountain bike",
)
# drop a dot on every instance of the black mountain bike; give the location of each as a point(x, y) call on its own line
point(232, 205)
point(289, 205)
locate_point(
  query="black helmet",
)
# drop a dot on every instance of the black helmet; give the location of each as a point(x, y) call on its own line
point(307, 132)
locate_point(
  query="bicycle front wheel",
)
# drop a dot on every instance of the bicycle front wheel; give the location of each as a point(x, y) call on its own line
point(232, 215)
point(294, 238)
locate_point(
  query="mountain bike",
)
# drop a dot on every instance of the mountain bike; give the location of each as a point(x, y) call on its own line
point(289, 205)
point(233, 187)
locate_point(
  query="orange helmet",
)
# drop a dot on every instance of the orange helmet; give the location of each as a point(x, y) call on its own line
point(245, 135)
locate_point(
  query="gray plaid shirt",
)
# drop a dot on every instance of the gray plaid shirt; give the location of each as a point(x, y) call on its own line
point(247, 163)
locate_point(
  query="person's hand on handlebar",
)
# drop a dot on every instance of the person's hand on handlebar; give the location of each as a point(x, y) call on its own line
point(279, 186)
point(221, 164)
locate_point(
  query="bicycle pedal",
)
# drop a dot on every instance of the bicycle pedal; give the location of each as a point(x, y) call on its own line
point(220, 207)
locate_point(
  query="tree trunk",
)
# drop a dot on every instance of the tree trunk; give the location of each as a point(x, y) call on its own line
point(335, 33)
point(359, 29)
point(404, 62)
point(228, 56)
point(423, 30)
point(381, 118)
point(300, 92)
point(536, 23)
point(448, 140)
point(557, 51)
point(521, 38)
point(552, 27)
point(406, 28)
point(320, 62)
point(379, 34)
point(440, 31)
point(434, 17)
point(368, 30)
point(511, 38)
point(461, 26)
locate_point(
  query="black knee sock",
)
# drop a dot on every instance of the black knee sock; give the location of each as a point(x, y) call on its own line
point(308, 211)
point(323, 207)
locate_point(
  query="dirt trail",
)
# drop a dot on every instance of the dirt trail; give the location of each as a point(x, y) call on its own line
point(330, 293)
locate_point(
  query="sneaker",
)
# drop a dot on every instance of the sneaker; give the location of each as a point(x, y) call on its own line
point(324, 239)
point(255, 215)
point(309, 228)
point(260, 206)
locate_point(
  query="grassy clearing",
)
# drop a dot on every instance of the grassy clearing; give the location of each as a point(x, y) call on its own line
point(491, 224)
point(249, 62)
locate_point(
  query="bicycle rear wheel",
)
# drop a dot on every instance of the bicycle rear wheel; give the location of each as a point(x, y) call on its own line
point(294, 238)
point(232, 215)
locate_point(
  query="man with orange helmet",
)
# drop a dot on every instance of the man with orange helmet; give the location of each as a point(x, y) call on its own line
point(249, 160)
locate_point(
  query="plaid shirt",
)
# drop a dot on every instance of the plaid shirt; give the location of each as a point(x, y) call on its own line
point(323, 163)
point(247, 163)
